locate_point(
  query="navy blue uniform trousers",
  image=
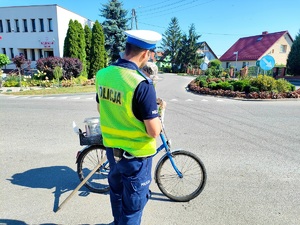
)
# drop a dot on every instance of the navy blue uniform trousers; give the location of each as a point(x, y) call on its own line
point(129, 181)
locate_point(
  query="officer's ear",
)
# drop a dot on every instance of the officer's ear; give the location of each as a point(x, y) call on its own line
point(144, 56)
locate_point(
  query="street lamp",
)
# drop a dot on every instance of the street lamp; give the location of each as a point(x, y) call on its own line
point(236, 58)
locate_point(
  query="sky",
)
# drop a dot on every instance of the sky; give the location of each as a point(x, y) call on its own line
point(219, 22)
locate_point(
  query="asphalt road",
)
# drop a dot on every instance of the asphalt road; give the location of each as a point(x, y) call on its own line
point(251, 150)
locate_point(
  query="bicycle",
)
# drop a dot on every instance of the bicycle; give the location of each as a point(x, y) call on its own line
point(180, 175)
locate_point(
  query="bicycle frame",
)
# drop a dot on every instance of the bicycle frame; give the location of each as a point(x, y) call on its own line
point(166, 144)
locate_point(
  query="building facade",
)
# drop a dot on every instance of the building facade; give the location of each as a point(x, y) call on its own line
point(248, 50)
point(35, 31)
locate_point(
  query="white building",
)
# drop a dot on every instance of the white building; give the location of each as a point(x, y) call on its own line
point(36, 31)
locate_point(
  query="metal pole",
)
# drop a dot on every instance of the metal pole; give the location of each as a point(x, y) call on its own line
point(236, 58)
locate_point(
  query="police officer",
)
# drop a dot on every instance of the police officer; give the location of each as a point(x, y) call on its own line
point(129, 123)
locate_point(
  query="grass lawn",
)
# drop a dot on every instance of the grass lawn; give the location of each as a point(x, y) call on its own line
point(53, 91)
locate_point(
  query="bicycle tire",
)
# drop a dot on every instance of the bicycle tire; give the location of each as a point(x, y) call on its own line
point(190, 185)
point(87, 161)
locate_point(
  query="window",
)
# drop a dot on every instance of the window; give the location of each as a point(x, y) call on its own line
point(42, 29)
point(32, 55)
point(1, 27)
point(40, 53)
point(33, 25)
point(282, 48)
point(11, 52)
point(25, 54)
point(4, 51)
point(50, 24)
point(8, 26)
point(17, 26)
point(25, 25)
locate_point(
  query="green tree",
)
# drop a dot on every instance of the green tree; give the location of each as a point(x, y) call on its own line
point(98, 55)
point(293, 61)
point(171, 42)
point(88, 44)
point(4, 60)
point(188, 52)
point(81, 53)
point(74, 45)
point(70, 44)
point(113, 27)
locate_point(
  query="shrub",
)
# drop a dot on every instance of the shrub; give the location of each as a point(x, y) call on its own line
point(203, 83)
point(253, 89)
point(240, 85)
point(292, 87)
point(4, 60)
point(264, 83)
point(283, 85)
point(57, 72)
point(82, 80)
point(225, 86)
point(12, 81)
point(71, 67)
point(212, 85)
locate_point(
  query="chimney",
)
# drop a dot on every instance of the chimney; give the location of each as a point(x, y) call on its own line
point(264, 33)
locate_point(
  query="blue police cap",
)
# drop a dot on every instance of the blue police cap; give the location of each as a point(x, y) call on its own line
point(145, 39)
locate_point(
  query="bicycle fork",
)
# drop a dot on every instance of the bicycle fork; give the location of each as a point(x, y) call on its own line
point(166, 145)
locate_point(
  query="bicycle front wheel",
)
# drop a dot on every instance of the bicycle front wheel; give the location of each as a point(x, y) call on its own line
point(189, 184)
point(87, 161)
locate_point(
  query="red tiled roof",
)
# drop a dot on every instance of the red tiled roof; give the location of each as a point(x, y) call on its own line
point(252, 48)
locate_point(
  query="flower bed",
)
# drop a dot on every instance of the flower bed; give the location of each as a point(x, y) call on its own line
point(195, 88)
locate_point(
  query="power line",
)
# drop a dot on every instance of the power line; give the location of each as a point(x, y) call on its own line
point(149, 9)
point(149, 6)
point(219, 34)
point(176, 7)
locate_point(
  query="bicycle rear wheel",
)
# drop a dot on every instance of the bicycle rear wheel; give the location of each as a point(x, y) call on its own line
point(186, 187)
point(87, 161)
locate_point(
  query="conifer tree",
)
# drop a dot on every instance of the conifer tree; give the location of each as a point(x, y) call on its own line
point(88, 40)
point(98, 55)
point(74, 45)
point(293, 61)
point(188, 52)
point(81, 54)
point(70, 40)
point(113, 27)
point(171, 42)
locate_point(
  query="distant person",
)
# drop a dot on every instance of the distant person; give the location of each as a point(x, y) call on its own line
point(151, 70)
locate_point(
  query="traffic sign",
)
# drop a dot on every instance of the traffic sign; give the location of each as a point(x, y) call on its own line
point(203, 66)
point(267, 62)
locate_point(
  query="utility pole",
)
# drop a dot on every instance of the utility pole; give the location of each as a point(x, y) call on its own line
point(134, 18)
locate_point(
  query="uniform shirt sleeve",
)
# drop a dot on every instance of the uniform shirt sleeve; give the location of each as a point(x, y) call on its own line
point(144, 105)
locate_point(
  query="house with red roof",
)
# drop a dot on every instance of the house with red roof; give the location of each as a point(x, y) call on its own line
point(248, 50)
